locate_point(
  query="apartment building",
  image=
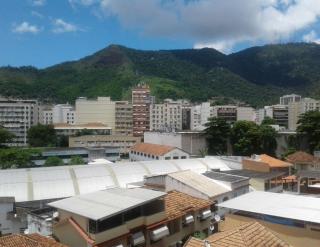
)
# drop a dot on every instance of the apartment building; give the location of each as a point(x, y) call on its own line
point(246, 113)
point(18, 116)
point(280, 114)
point(63, 113)
point(148, 151)
point(295, 109)
point(130, 217)
point(123, 118)
point(100, 110)
point(166, 116)
point(226, 112)
point(291, 98)
point(141, 101)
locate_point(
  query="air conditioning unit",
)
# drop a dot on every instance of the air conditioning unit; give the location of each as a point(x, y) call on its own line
point(159, 233)
point(205, 214)
point(188, 219)
point(138, 238)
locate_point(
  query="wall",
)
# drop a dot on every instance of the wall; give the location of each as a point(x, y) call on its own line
point(10, 224)
point(293, 235)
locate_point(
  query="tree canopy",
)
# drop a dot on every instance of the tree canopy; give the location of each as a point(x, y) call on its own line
point(309, 127)
point(5, 136)
point(76, 160)
point(17, 157)
point(54, 161)
point(42, 136)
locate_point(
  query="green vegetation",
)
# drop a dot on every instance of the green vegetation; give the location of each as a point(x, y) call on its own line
point(76, 160)
point(54, 161)
point(42, 136)
point(309, 127)
point(217, 133)
point(17, 157)
point(257, 76)
point(5, 136)
point(268, 121)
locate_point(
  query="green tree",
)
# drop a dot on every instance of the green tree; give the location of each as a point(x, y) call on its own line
point(268, 121)
point(5, 136)
point(268, 139)
point(309, 127)
point(17, 157)
point(54, 161)
point(217, 133)
point(76, 160)
point(42, 136)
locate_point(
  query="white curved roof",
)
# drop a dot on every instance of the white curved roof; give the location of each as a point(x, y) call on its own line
point(65, 181)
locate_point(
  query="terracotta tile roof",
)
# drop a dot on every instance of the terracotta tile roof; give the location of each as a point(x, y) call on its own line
point(273, 162)
point(153, 149)
point(178, 204)
point(300, 157)
point(31, 240)
point(252, 234)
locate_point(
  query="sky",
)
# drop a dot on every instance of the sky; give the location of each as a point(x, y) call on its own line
point(42, 33)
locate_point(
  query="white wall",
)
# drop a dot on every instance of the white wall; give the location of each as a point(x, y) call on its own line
point(8, 225)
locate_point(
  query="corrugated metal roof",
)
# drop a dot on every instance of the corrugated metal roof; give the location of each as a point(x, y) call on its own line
point(297, 207)
point(64, 181)
point(106, 203)
point(200, 183)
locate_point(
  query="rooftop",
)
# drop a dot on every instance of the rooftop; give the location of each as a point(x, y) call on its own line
point(254, 174)
point(32, 240)
point(225, 177)
point(300, 157)
point(153, 149)
point(273, 162)
point(43, 183)
point(179, 204)
point(106, 203)
point(251, 234)
point(297, 207)
point(200, 183)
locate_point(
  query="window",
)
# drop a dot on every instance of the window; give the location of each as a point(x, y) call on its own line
point(175, 157)
point(133, 214)
point(167, 158)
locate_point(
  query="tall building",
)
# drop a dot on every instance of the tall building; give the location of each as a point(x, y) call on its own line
point(101, 110)
point(227, 112)
point(46, 115)
point(246, 113)
point(200, 115)
point(18, 116)
point(291, 98)
point(166, 116)
point(63, 113)
point(141, 101)
point(123, 118)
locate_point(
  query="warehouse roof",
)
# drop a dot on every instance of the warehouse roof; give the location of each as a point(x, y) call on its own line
point(255, 174)
point(297, 207)
point(106, 203)
point(58, 182)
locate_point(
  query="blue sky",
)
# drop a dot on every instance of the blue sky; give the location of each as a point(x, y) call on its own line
point(45, 32)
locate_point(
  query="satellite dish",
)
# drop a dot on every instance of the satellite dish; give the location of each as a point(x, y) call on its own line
point(55, 215)
point(217, 218)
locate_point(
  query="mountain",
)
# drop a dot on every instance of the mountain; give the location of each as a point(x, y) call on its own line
point(257, 75)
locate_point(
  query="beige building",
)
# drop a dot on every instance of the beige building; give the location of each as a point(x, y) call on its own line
point(123, 118)
point(246, 113)
point(102, 110)
point(82, 129)
point(130, 217)
point(123, 142)
point(166, 116)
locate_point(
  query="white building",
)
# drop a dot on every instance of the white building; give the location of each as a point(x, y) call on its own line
point(246, 113)
point(148, 151)
point(63, 113)
point(291, 98)
point(200, 115)
point(166, 116)
point(18, 116)
point(101, 110)
point(46, 117)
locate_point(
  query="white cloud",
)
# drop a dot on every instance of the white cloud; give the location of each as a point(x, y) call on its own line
point(222, 23)
point(311, 37)
point(37, 14)
point(223, 46)
point(38, 2)
point(61, 26)
point(26, 27)
point(73, 3)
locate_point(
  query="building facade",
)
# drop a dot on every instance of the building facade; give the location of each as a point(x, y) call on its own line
point(101, 110)
point(123, 118)
point(166, 116)
point(227, 112)
point(63, 113)
point(17, 116)
point(291, 98)
point(141, 100)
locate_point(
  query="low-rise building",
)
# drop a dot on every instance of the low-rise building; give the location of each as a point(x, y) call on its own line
point(40, 221)
point(148, 151)
point(123, 142)
point(303, 161)
point(251, 234)
point(130, 217)
point(261, 181)
point(192, 142)
point(294, 218)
